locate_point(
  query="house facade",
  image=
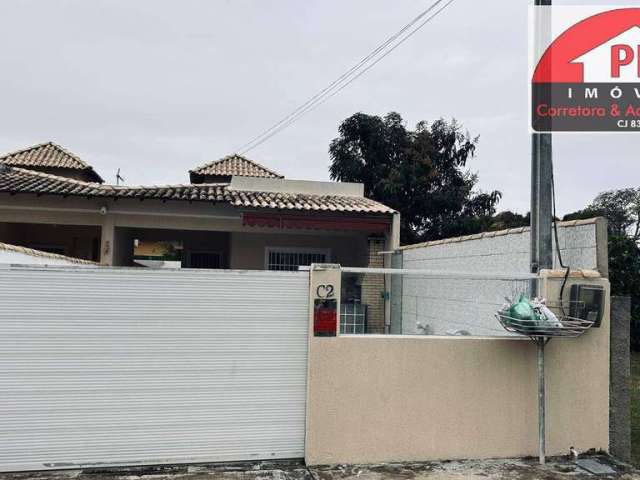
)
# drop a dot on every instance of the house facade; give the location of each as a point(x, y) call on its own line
point(234, 213)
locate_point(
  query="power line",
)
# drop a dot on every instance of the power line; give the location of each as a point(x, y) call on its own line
point(369, 56)
point(338, 85)
point(349, 76)
point(346, 74)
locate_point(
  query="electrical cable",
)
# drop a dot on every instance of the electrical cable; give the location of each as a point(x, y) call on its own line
point(555, 232)
point(346, 78)
point(344, 85)
point(364, 60)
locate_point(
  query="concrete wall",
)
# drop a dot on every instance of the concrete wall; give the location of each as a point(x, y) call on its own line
point(391, 398)
point(442, 306)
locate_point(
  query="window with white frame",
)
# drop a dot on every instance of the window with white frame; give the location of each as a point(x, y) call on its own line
point(288, 258)
point(353, 318)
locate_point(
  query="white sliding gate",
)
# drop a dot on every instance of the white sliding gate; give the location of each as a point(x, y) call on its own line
point(115, 366)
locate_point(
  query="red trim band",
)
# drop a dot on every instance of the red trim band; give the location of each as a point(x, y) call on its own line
point(360, 224)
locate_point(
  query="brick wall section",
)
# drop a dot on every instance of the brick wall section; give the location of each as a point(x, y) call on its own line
point(373, 287)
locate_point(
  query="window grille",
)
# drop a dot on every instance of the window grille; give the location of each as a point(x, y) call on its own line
point(353, 318)
point(290, 260)
point(205, 260)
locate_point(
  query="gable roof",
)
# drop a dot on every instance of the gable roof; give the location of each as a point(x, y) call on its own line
point(19, 180)
point(235, 165)
point(48, 155)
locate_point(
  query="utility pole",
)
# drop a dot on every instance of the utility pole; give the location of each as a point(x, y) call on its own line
point(541, 210)
point(541, 168)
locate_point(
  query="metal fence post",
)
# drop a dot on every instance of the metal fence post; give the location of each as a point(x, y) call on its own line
point(541, 401)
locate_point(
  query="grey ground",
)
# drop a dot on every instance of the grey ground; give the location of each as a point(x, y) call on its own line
point(515, 469)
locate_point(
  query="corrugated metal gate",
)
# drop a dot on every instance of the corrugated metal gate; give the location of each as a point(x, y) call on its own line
point(131, 366)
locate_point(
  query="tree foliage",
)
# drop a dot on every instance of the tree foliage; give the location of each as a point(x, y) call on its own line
point(508, 219)
point(621, 209)
point(421, 173)
point(624, 266)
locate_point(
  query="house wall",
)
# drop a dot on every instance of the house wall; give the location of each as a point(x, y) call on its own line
point(246, 244)
point(387, 398)
point(444, 305)
point(248, 249)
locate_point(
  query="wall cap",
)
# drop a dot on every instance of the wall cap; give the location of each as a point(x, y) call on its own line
point(573, 273)
point(319, 267)
point(498, 233)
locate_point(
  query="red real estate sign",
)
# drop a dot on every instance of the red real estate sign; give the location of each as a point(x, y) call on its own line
point(588, 78)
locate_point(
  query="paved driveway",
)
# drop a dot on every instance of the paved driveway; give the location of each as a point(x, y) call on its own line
point(512, 469)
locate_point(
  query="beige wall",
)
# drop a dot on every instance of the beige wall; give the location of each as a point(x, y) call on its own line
point(395, 398)
point(248, 249)
point(246, 246)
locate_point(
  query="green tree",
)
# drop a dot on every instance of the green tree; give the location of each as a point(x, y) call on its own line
point(583, 214)
point(421, 173)
point(508, 219)
point(621, 208)
point(624, 266)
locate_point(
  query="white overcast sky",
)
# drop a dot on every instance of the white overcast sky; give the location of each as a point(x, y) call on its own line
point(156, 87)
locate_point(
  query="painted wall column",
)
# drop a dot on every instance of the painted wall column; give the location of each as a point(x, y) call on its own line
point(391, 282)
point(373, 288)
point(107, 240)
point(393, 239)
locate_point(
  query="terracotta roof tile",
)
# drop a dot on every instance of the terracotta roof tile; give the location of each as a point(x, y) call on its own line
point(39, 253)
point(48, 155)
point(19, 180)
point(235, 165)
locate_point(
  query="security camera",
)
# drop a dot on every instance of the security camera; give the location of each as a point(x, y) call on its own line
point(103, 210)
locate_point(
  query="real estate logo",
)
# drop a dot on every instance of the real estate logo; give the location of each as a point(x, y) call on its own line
point(585, 69)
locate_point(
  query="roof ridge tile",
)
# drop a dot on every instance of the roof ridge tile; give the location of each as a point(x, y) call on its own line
point(49, 155)
point(21, 180)
point(233, 169)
